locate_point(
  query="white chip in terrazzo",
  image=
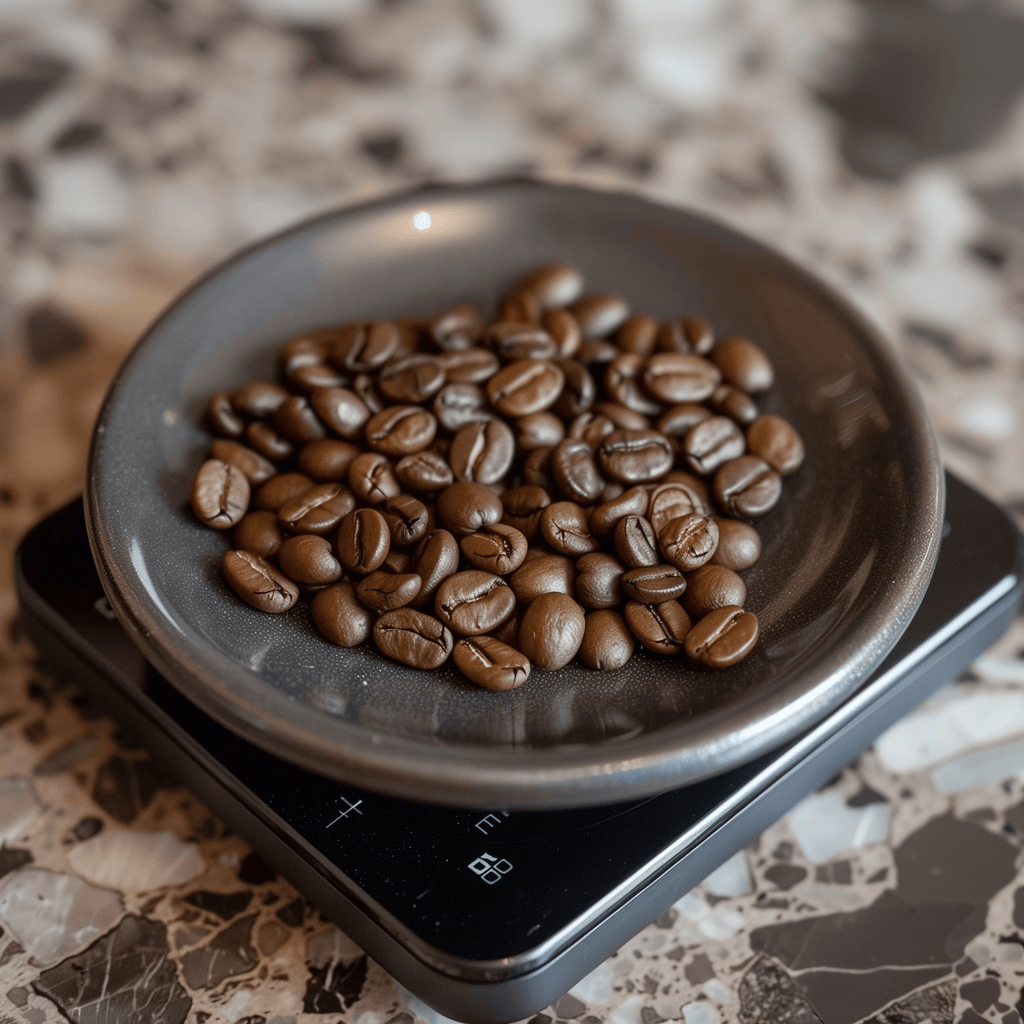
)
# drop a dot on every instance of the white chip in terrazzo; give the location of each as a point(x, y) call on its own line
point(236, 1005)
point(699, 1013)
point(824, 825)
point(83, 194)
point(595, 987)
point(979, 768)
point(731, 878)
point(987, 416)
point(136, 861)
point(18, 807)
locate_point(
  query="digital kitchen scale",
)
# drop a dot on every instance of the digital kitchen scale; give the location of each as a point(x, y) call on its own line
point(488, 915)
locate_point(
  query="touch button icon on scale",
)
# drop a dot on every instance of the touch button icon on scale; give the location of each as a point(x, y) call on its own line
point(489, 868)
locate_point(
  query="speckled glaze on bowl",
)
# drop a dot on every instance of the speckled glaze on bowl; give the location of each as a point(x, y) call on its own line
point(847, 554)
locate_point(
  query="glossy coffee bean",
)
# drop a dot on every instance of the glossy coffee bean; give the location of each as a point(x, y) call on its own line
point(635, 456)
point(622, 416)
point(363, 541)
point(372, 479)
point(637, 335)
point(774, 440)
point(489, 663)
point(542, 574)
point(411, 334)
point(340, 616)
point(258, 399)
point(306, 350)
point(259, 533)
point(508, 631)
point(686, 334)
point(607, 643)
point(307, 378)
point(457, 405)
point(425, 473)
point(622, 382)
point(737, 405)
point(436, 558)
point(413, 638)
point(592, 428)
point(401, 430)
point(220, 494)
point(537, 469)
point(661, 628)
point(263, 439)
point(519, 307)
point(598, 580)
point(317, 510)
point(551, 631)
point(675, 377)
point(308, 559)
point(739, 545)
point(635, 542)
point(538, 430)
point(482, 452)
point(340, 409)
point(606, 516)
point(257, 582)
point(653, 584)
point(407, 518)
point(363, 346)
point(396, 561)
point(669, 501)
point(600, 314)
point(573, 469)
point(563, 526)
point(411, 380)
point(689, 541)
point(497, 549)
point(473, 602)
point(221, 418)
point(469, 366)
point(457, 328)
point(465, 507)
point(294, 419)
point(747, 486)
point(522, 508)
point(365, 387)
point(596, 354)
point(525, 386)
point(710, 587)
point(512, 341)
point(279, 490)
point(386, 591)
point(711, 444)
point(578, 390)
point(562, 326)
point(328, 460)
point(723, 637)
point(254, 467)
point(743, 365)
point(554, 284)
point(680, 419)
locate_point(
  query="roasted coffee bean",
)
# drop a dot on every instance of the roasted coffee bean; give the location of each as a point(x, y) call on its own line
point(294, 419)
point(221, 418)
point(338, 614)
point(574, 471)
point(562, 326)
point(328, 460)
point(596, 354)
point(747, 486)
point(397, 561)
point(489, 663)
point(465, 507)
point(456, 328)
point(607, 643)
point(525, 386)
point(364, 345)
point(606, 516)
point(538, 430)
point(686, 334)
point(257, 582)
point(669, 501)
point(600, 314)
point(482, 452)
point(497, 549)
point(554, 284)
point(279, 490)
point(661, 628)
point(253, 466)
point(305, 350)
point(739, 545)
point(220, 494)
point(457, 405)
point(317, 510)
point(622, 382)
point(425, 472)
point(710, 587)
point(365, 388)
point(512, 341)
point(263, 439)
point(258, 399)
point(653, 584)
point(551, 631)
point(591, 428)
point(259, 533)
point(637, 335)
point(622, 416)
point(469, 366)
point(598, 580)
point(412, 332)
point(612, 490)
point(536, 469)
point(578, 391)
point(401, 430)
point(680, 419)
point(372, 479)
point(407, 519)
point(436, 558)
point(519, 307)
point(723, 637)
point(363, 541)
point(674, 377)
point(306, 379)
point(737, 405)
point(743, 365)
point(413, 638)
point(564, 526)
point(774, 440)
point(635, 542)
point(508, 631)
point(542, 574)
point(386, 591)
point(635, 456)
point(308, 559)
point(523, 507)
point(689, 541)
point(411, 380)
point(473, 602)
point(340, 409)
point(711, 444)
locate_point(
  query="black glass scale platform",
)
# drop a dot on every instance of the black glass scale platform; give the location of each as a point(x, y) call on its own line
point(489, 915)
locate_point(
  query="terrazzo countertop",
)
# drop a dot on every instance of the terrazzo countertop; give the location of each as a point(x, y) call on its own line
point(880, 143)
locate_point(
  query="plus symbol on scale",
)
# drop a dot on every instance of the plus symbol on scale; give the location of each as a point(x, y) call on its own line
point(349, 808)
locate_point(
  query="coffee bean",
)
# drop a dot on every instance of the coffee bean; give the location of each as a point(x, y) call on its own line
point(774, 440)
point(328, 460)
point(474, 602)
point(600, 314)
point(574, 471)
point(622, 416)
point(554, 284)
point(525, 386)
point(253, 466)
point(612, 490)
point(710, 587)
point(723, 637)
point(635, 542)
point(457, 405)
point(411, 380)
point(542, 574)
point(635, 456)
point(622, 382)
point(220, 494)
point(538, 430)
point(257, 582)
point(258, 399)
point(465, 507)
point(317, 510)
point(669, 501)
point(578, 391)
point(306, 350)
point(413, 638)
point(743, 365)
point(458, 327)
point(340, 409)
point(739, 545)
point(562, 326)
point(338, 614)
point(294, 419)
point(372, 480)
point(365, 388)
point(363, 541)
point(522, 508)
point(497, 549)
point(436, 558)
point(591, 428)
point(737, 405)
point(680, 419)
point(637, 335)
point(598, 580)
point(306, 379)
point(689, 541)
point(551, 631)
point(686, 334)
point(279, 490)
point(564, 526)
point(512, 341)
point(425, 472)
point(263, 439)
point(363, 345)
point(408, 520)
point(536, 469)
point(653, 584)
point(674, 377)
point(308, 559)
point(482, 452)
point(508, 632)
point(469, 366)
point(607, 643)
point(519, 307)
point(605, 517)
point(489, 663)
point(221, 418)
point(747, 486)
point(412, 334)
point(259, 533)
point(401, 430)
point(712, 443)
point(595, 354)
point(397, 561)
point(385, 591)
point(661, 628)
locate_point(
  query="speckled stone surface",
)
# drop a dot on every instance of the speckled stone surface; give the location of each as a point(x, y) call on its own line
point(881, 144)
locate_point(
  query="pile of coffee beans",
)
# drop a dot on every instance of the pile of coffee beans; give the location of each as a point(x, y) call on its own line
point(559, 483)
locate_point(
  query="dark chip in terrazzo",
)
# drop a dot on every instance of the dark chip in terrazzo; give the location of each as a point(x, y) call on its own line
point(50, 333)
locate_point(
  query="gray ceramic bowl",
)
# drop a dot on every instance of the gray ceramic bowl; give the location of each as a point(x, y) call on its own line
point(847, 554)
